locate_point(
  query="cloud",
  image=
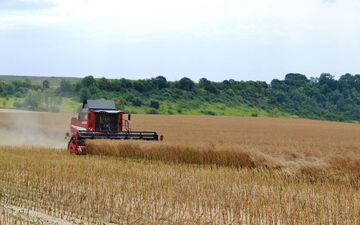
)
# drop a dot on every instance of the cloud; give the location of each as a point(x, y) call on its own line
point(19, 14)
point(187, 19)
point(24, 5)
point(187, 35)
point(328, 1)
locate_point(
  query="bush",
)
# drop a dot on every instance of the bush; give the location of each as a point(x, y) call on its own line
point(275, 112)
point(155, 104)
point(137, 102)
point(120, 103)
point(254, 114)
point(18, 105)
point(152, 111)
point(208, 112)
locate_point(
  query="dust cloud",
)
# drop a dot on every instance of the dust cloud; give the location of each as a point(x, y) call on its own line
point(33, 129)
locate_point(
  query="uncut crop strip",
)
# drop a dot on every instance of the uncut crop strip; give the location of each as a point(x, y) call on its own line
point(335, 166)
point(193, 154)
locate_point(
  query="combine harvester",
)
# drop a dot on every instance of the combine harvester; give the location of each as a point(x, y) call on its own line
point(101, 120)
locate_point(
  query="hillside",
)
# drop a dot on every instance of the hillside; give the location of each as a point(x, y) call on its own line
point(324, 98)
point(38, 80)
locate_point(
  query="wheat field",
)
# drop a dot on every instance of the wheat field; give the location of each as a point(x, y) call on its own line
point(209, 170)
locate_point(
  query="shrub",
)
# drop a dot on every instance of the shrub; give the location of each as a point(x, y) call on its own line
point(254, 114)
point(155, 104)
point(208, 112)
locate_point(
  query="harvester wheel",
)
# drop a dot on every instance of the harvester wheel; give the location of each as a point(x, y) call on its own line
point(72, 145)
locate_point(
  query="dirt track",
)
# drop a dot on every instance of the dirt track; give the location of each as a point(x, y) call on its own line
point(12, 214)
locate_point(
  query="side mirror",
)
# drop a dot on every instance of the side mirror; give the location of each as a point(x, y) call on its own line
point(67, 135)
point(129, 116)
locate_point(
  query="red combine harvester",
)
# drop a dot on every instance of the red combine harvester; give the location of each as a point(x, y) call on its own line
point(101, 120)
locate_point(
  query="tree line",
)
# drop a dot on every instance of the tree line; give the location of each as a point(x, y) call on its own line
point(322, 97)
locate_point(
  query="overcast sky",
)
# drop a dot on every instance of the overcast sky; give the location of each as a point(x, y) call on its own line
point(217, 39)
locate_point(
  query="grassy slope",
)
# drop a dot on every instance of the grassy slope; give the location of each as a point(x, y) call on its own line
point(206, 108)
point(9, 102)
point(38, 80)
point(69, 105)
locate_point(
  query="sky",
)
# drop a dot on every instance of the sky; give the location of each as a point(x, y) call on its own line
point(216, 39)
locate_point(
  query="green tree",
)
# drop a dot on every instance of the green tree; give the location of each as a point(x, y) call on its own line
point(296, 79)
point(208, 86)
point(66, 88)
point(46, 84)
point(88, 81)
point(161, 82)
point(139, 86)
point(120, 103)
point(84, 94)
point(104, 84)
point(33, 100)
point(186, 84)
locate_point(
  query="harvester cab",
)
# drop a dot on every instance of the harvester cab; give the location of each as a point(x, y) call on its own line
point(100, 119)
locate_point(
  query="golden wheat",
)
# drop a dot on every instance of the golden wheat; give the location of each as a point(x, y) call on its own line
point(176, 153)
point(335, 165)
point(287, 172)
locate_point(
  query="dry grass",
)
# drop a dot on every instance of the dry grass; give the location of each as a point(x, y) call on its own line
point(209, 170)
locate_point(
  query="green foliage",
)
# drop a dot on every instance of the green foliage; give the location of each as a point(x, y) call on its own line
point(161, 82)
point(33, 100)
point(46, 84)
point(3, 103)
point(120, 103)
point(208, 85)
point(185, 84)
point(275, 112)
point(88, 81)
point(152, 111)
point(38, 80)
point(134, 100)
point(208, 112)
point(40, 101)
point(84, 94)
point(155, 104)
point(66, 88)
point(254, 114)
point(317, 98)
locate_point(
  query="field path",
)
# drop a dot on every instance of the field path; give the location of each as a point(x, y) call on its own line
point(10, 213)
point(30, 216)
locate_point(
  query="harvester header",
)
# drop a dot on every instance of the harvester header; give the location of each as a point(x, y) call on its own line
point(99, 119)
